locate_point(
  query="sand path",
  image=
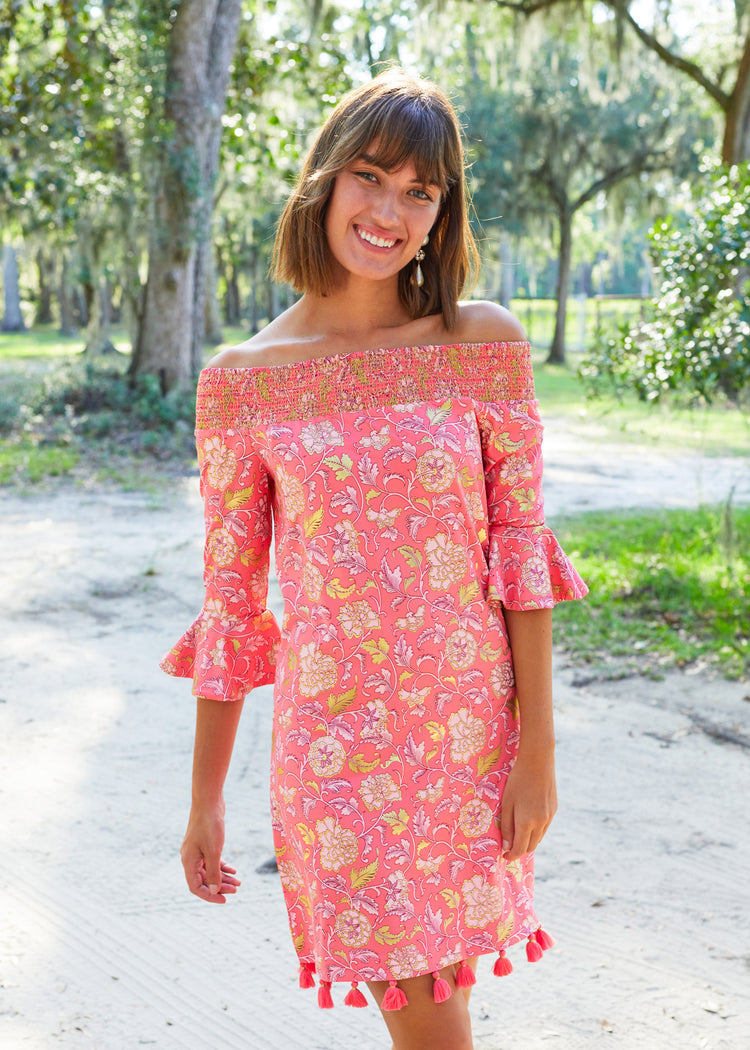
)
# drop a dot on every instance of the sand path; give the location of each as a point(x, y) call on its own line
point(643, 878)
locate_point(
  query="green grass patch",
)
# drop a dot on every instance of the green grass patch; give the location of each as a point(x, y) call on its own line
point(23, 461)
point(721, 428)
point(667, 588)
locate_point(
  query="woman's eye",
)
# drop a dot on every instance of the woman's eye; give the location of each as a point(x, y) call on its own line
point(422, 195)
point(368, 176)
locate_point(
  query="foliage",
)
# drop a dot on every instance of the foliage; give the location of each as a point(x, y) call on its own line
point(669, 587)
point(696, 338)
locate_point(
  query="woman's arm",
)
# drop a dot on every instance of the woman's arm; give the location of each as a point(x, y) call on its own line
point(530, 798)
point(215, 729)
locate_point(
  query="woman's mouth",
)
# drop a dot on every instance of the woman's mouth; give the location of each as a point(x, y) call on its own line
point(374, 240)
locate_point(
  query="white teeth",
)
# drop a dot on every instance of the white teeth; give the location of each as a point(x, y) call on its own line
point(379, 242)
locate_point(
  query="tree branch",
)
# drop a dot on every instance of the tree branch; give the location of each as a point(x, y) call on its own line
point(676, 61)
point(530, 7)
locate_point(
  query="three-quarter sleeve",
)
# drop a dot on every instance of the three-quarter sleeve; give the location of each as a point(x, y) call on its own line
point(528, 568)
point(231, 647)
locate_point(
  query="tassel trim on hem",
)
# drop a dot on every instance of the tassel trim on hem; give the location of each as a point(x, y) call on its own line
point(537, 944)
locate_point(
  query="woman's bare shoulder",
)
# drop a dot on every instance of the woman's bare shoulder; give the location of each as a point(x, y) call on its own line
point(276, 343)
point(480, 321)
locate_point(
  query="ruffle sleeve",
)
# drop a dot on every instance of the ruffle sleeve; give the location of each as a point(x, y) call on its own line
point(231, 647)
point(528, 568)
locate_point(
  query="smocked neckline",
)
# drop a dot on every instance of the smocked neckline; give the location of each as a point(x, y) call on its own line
point(351, 355)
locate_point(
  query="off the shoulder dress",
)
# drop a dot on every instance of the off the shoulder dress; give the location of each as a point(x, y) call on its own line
point(404, 488)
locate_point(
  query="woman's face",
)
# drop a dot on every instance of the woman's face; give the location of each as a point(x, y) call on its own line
point(377, 220)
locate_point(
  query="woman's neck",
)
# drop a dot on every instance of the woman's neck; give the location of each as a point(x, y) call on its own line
point(354, 309)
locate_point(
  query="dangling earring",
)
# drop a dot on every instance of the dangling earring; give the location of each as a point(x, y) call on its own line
point(419, 276)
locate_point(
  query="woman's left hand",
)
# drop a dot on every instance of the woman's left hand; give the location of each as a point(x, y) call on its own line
point(529, 803)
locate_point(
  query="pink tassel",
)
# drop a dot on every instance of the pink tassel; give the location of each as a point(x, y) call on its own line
point(465, 976)
point(441, 990)
point(325, 1002)
point(354, 997)
point(306, 979)
point(503, 966)
point(394, 999)
point(533, 951)
point(543, 939)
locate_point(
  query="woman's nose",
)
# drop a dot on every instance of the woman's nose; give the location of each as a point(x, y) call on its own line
point(386, 209)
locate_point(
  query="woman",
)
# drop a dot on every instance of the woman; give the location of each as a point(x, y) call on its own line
point(391, 433)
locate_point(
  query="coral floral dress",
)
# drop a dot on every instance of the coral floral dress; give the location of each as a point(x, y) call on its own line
point(404, 490)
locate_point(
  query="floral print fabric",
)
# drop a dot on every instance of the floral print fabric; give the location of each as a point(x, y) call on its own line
point(407, 513)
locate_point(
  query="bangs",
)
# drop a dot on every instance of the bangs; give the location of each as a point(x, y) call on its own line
point(413, 134)
point(392, 131)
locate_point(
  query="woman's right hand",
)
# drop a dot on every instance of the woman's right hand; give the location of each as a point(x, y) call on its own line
point(207, 875)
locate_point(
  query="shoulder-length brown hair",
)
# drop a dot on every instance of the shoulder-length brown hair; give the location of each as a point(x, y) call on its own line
point(394, 118)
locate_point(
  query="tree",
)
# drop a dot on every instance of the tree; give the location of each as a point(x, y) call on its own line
point(201, 45)
point(567, 135)
point(734, 102)
point(696, 339)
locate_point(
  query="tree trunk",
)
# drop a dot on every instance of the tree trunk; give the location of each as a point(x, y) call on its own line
point(65, 298)
point(170, 335)
point(45, 268)
point(98, 331)
point(736, 145)
point(212, 322)
point(557, 349)
point(507, 270)
point(12, 317)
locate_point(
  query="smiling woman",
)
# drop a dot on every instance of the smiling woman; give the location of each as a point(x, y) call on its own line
point(386, 128)
point(387, 434)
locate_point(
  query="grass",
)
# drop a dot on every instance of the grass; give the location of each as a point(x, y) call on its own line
point(717, 429)
point(667, 588)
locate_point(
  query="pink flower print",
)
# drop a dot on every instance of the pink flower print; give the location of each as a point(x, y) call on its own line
point(326, 756)
point(375, 722)
point(385, 519)
point(413, 621)
point(357, 617)
point(429, 865)
point(317, 437)
point(414, 698)
point(436, 470)
point(377, 791)
point(516, 468)
point(317, 671)
point(353, 928)
point(221, 463)
point(397, 893)
point(338, 846)
point(475, 818)
point(290, 877)
point(378, 439)
point(535, 574)
point(222, 547)
point(292, 493)
point(214, 614)
point(501, 678)
point(433, 792)
point(467, 735)
point(345, 540)
point(447, 561)
point(406, 962)
point(461, 649)
point(475, 506)
point(218, 656)
point(312, 581)
point(484, 902)
point(257, 585)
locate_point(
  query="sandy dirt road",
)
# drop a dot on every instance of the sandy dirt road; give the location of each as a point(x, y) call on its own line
point(644, 878)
